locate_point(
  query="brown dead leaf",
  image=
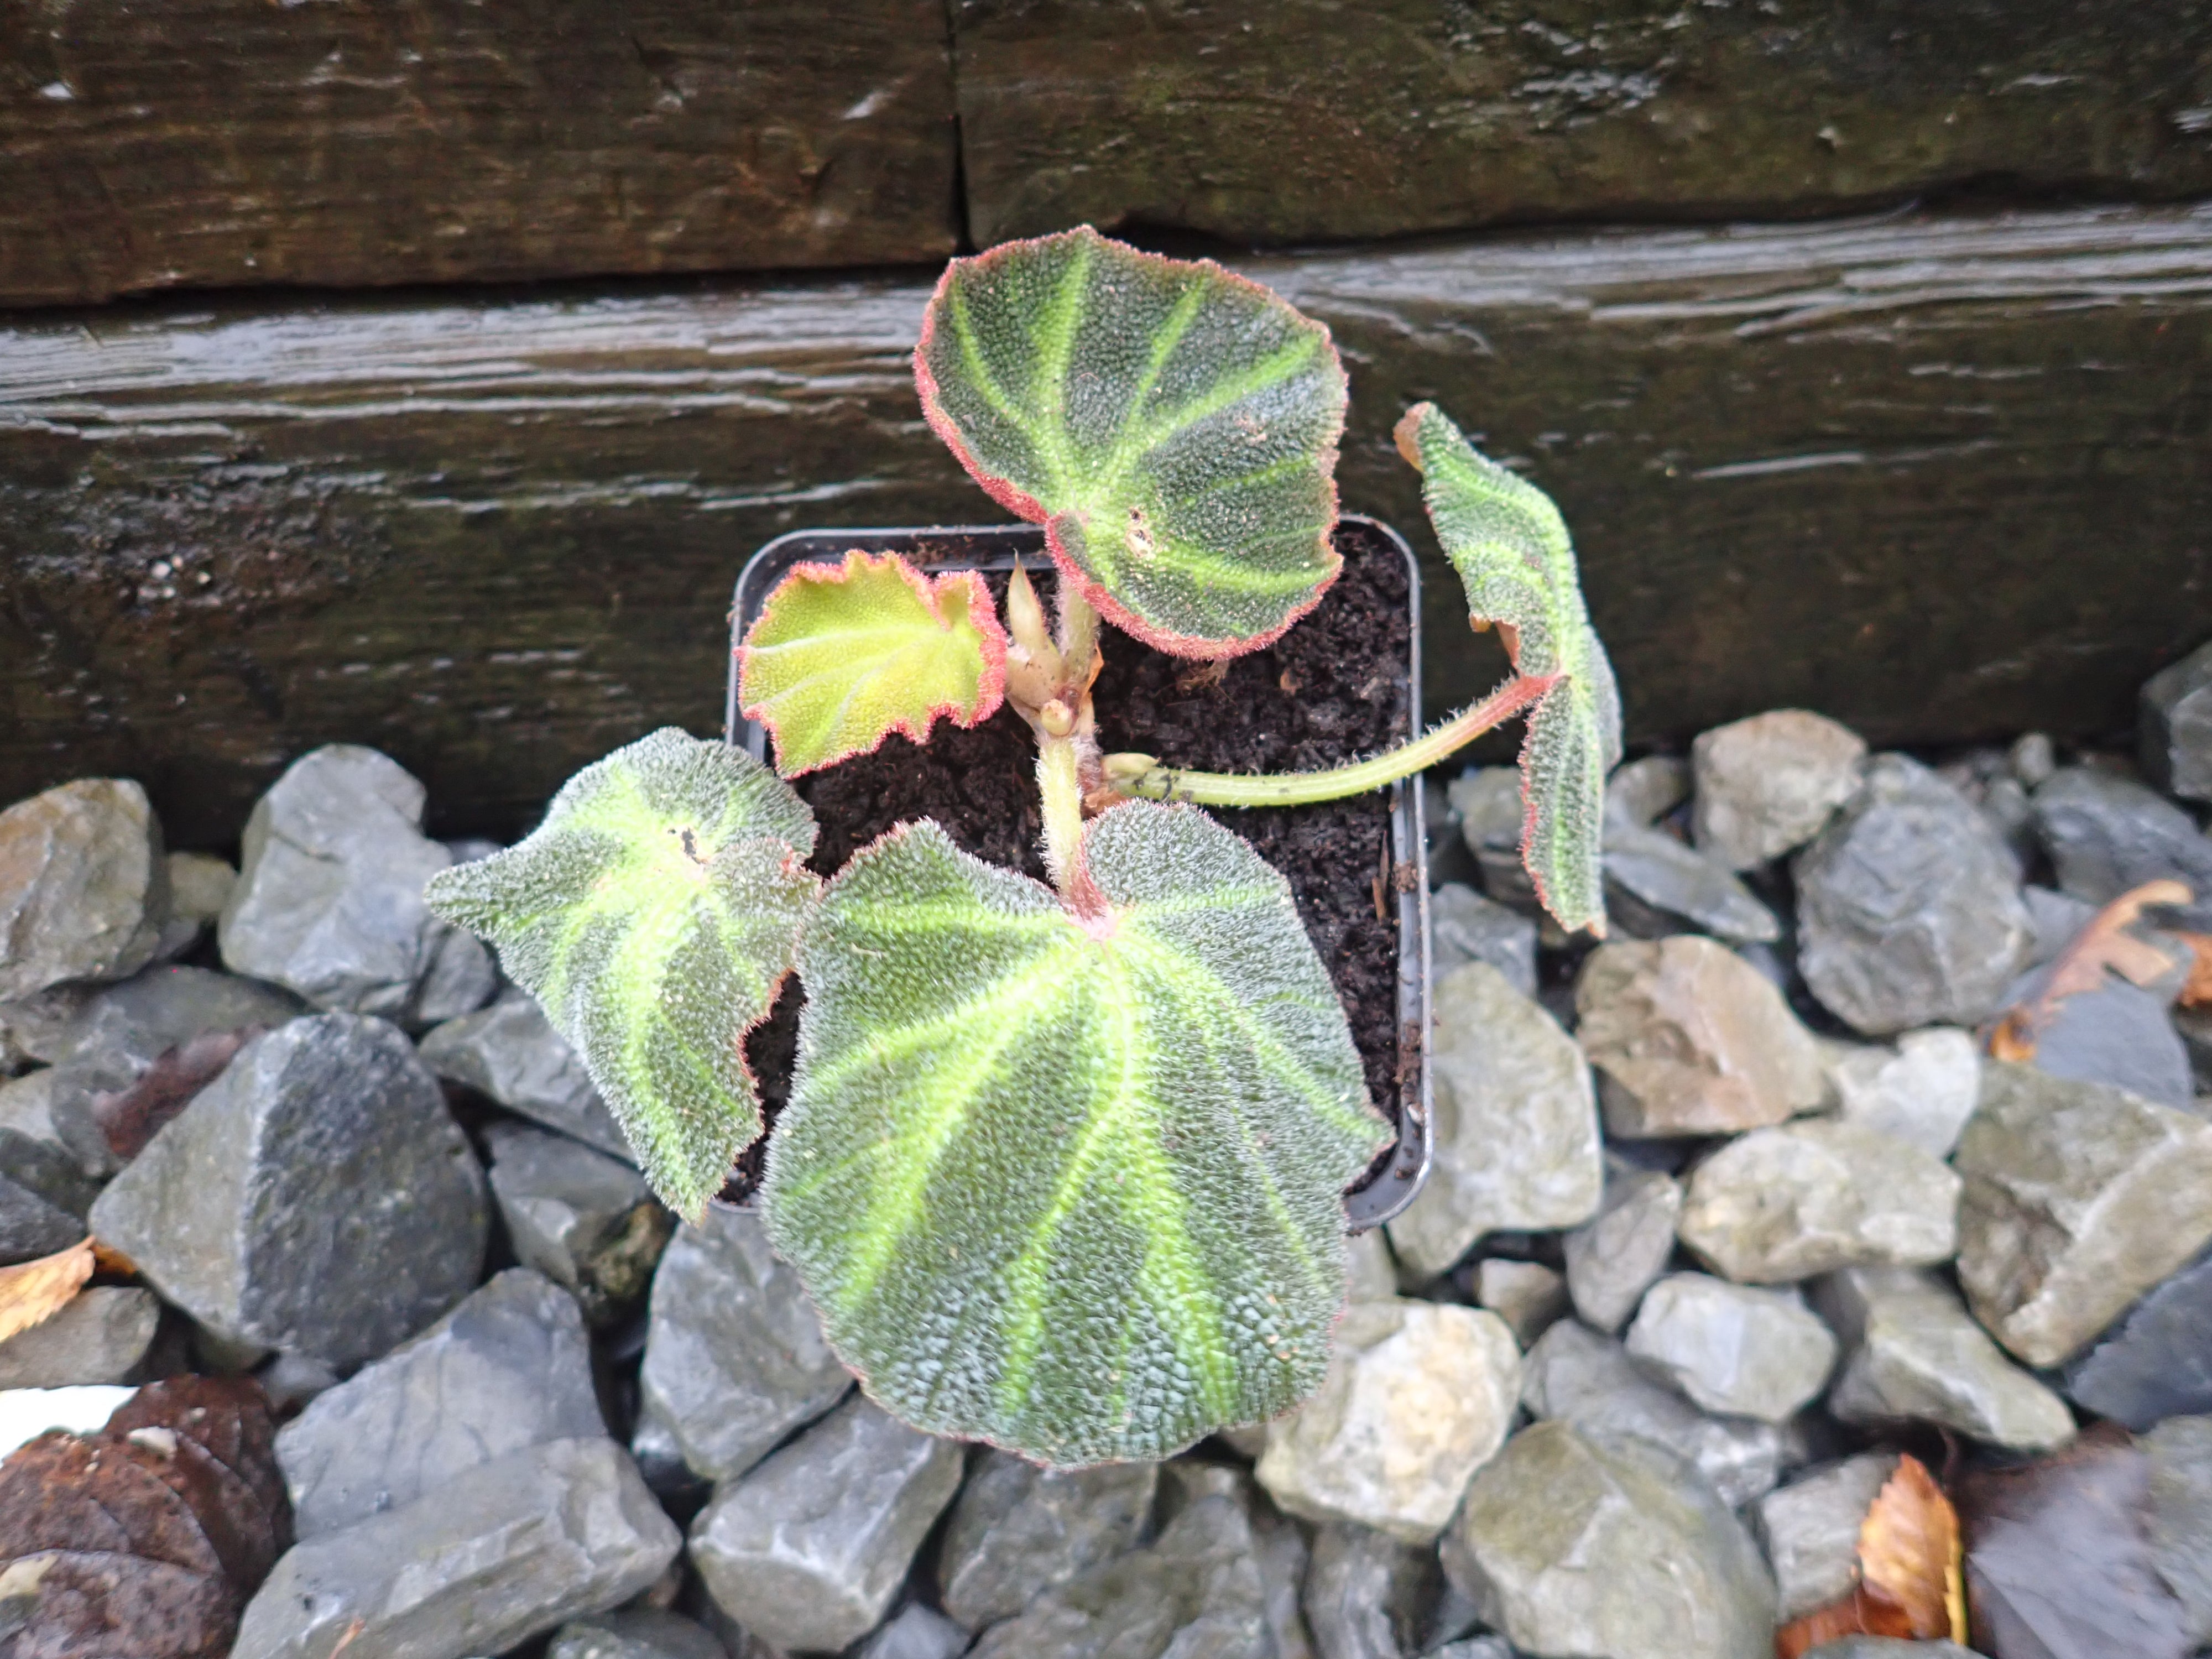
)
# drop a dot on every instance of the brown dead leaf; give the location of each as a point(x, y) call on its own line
point(1910, 1585)
point(1910, 1553)
point(2197, 992)
point(33, 1292)
point(2103, 946)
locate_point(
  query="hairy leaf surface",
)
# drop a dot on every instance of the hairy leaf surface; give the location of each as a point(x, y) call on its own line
point(1510, 545)
point(1071, 1184)
point(1173, 427)
point(844, 655)
point(654, 915)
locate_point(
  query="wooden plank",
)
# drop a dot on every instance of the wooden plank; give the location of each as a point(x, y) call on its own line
point(1281, 120)
point(227, 142)
point(1943, 478)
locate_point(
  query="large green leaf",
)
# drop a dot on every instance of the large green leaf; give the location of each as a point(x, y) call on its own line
point(844, 655)
point(653, 914)
point(1510, 545)
point(1172, 426)
point(1071, 1184)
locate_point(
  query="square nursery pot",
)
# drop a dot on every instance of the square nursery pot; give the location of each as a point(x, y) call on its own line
point(1359, 867)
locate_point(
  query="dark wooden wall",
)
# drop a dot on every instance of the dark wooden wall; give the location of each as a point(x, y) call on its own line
point(1926, 448)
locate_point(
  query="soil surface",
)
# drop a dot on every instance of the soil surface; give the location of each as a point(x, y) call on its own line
point(1331, 690)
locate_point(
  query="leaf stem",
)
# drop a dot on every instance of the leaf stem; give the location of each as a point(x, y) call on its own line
point(1060, 779)
point(1143, 776)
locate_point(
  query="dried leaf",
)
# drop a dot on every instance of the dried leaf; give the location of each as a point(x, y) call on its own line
point(1910, 1553)
point(1909, 1585)
point(131, 1117)
point(2105, 945)
point(2197, 992)
point(33, 1292)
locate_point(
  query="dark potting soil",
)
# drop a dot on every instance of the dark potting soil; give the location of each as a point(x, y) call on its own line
point(1330, 691)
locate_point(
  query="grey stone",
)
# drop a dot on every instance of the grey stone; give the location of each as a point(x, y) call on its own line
point(635, 1633)
point(1768, 784)
point(1887, 1647)
point(48, 1168)
point(2106, 834)
point(30, 1227)
point(329, 901)
point(526, 1543)
point(1573, 1374)
point(509, 1368)
point(1280, 1551)
point(1573, 1543)
point(1921, 1092)
point(199, 886)
point(2004, 806)
point(1417, 1396)
point(1197, 1591)
point(2056, 918)
point(2156, 1362)
point(1515, 1130)
point(1643, 792)
point(1474, 1647)
point(2176, 727)
point(1464, 927)
point(1732, 1349)
point(1801, 1199)
point(1526, 1295)
point(1486, 801)
point(511, 1053)
point(734, 1355)
point(166, 1031)
point(1915, 1355)
point(1370, 1272)
point(2178, 1518)
point(1369, 1596)
point(291, 1379)
point(1018, 1530)
point(1669, 886)
point(102, 1335)
point(2118, 1034)
point(30, 1027)
point(1692, 1040)
point(917, 1633)
point(84, 890)
point(2078, 1198)
point(316, 1197)
point(586, 1221)
point(2033, 757)
point(1908, 906)
point(1613, 1259)
point(1811, 1530)
point(809, 1548)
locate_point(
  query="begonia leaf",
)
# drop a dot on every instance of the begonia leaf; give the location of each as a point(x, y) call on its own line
point(1172, 426)
point(655, 915)
point(844, 655)
point(1510, 548)
point(1069, 1178)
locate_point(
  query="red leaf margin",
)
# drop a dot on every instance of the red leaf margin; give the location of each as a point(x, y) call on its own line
point(972, 594)
point(1028, 509)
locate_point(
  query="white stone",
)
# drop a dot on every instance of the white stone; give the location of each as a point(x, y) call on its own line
point(1769, 783)
point(1613, 1259)
point(1921, 1092)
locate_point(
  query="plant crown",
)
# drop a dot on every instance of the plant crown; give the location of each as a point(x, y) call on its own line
point(1063, 1166)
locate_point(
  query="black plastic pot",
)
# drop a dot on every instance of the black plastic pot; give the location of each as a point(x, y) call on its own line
point(1390, 1186)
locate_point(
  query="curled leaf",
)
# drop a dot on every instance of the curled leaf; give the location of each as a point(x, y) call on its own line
point(31, 1292)
point(1910, 1585)
point(1071, 1181)
point(1172, 426)
point(1510, 548)
point(653, 916)
point(2104, 945)
point(841, 656)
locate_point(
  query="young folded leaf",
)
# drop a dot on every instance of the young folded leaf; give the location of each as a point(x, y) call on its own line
point(841, 656)
point(1173, 427)
point(1072, 1183)
point(1510, 545)
point(654, 915)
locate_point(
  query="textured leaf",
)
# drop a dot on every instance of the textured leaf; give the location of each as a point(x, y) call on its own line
point(1510, 546)
point(654, 915)
point(1071, 1184)
point(841, 656)
point(1173, 427)
point(31, 1292)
